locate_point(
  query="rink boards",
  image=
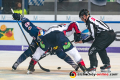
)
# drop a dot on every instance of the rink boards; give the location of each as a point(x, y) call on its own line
point(17, 41)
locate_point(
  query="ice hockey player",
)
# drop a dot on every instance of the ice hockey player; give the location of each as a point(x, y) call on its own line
point(59, 53)
point(102, 36)
point(27, 25)
point(55, 36)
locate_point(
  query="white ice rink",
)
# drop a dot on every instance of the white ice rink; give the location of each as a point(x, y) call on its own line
point(7, 58)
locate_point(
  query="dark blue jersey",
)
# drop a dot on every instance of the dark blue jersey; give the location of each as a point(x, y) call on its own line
point(30, 28)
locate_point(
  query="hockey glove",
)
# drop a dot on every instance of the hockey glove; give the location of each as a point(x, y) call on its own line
point(34, 44)
point(38, 39)
point(17, 16)
point(77, 37)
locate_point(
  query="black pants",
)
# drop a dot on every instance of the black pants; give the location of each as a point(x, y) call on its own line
point(102, 41)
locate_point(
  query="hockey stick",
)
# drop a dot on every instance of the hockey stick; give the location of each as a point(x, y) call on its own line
point(47, 70)
point(72, 41)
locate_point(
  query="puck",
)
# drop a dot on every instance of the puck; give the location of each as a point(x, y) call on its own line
point(59, 68)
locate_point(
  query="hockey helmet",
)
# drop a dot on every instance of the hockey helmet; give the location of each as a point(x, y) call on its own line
point(84, 12)
point(40, 34)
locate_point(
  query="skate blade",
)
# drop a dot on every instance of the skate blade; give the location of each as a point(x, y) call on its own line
point(92, 72)
point(29, 72)
point(86, 72)
point(105, 70)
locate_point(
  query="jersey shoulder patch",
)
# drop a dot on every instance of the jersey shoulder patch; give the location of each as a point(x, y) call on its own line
point(93, 19)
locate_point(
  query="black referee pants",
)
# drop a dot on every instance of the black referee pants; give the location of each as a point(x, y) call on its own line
point(102, 41)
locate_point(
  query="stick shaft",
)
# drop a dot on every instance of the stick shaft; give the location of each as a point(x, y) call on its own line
point(25, 36)
point(29, 44)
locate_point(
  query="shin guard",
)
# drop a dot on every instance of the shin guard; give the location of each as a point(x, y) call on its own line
point(32, 64)
point(81, 64)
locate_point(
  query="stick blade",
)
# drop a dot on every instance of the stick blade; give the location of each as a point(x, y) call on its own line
point(44, 69)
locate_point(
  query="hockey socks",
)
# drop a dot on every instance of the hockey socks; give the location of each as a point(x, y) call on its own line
point(81, 64)
point(71, 62)
point(62, 55)
point(31, 66)
point(74, 53)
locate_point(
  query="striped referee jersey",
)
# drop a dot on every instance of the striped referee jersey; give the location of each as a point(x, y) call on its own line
point(95, 27)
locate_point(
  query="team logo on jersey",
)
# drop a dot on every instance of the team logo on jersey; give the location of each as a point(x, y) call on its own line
point(67, 45)
point(93, 19)
point(29, 28)
point(41, 32)
point(72, 74)
point(42, 45)
point(27, 24)
point(56, 47)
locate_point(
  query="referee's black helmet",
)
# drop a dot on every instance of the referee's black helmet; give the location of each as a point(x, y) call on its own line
point(84, 12)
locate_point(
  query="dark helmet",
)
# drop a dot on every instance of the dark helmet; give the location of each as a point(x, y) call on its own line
point(84, 12)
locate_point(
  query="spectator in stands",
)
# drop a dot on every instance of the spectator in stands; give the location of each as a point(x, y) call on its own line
point(19, 9)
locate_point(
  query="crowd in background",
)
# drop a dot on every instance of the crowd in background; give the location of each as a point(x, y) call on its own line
point(63, 6)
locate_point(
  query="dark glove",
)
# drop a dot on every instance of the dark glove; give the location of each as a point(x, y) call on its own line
point(33, 44)
point(16, 16)
point(77, 37)
point(38, 38)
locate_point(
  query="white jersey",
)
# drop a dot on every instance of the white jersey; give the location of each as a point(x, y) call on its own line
point(56, 28)
point(66, 29)
point(69, 33)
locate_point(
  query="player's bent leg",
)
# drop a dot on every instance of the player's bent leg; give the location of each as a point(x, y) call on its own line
point(76, 56)
point(22, 57)
point(72, 51)
point(61, 54)
point(25, 55)
point(35, 59)
point(20, 60)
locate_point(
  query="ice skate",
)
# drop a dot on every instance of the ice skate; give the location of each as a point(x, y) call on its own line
point(92, 70)
point(29, 72)
point(14, 67)
point(105, 68)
